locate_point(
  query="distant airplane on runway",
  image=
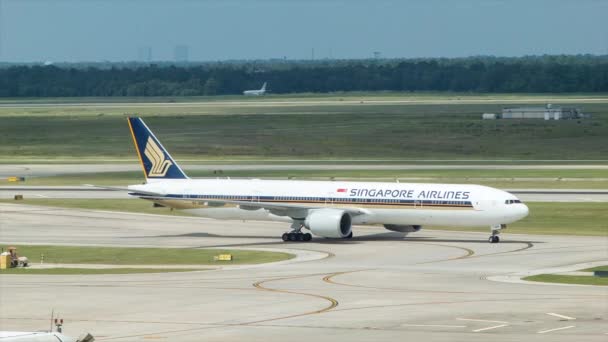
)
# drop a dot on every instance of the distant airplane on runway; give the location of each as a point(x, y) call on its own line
point(257, 92)
point(326, 208)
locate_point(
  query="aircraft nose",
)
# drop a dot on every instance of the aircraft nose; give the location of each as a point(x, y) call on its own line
point(523, 210)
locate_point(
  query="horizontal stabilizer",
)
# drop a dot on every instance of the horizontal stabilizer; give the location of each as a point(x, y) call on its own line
point(147, 193)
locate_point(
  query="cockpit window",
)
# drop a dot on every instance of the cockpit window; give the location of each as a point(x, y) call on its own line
point(511, 201)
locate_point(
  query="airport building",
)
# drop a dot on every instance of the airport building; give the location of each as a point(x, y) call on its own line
point(547, 112)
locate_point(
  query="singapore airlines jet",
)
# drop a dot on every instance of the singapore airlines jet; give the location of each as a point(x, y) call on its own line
point(325, 208)
point(256, 92)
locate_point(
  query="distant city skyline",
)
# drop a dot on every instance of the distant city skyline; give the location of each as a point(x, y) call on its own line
point(210, 30)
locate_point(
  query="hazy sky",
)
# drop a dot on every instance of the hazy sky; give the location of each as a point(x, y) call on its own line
point(114, 30)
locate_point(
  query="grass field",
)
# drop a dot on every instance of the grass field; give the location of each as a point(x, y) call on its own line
point(544, 218)
point(369, 128)
point(286, 160)
point(145, 256)
point(81, 271)
point(506, 179)
point(579, 218)
point(568, 279)
point(560, 218)
point(599, 268)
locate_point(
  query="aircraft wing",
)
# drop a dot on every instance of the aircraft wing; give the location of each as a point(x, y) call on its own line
point(280, 209)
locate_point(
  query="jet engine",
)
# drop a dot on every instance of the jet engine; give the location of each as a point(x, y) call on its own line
point(329, 223)
point(403, 228)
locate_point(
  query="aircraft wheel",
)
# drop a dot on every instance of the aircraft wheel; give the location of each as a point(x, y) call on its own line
point(493, 239)
point(295, 236)
point(349, 236)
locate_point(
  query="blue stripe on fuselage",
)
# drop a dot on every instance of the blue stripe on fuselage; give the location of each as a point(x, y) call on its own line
point(323, 200)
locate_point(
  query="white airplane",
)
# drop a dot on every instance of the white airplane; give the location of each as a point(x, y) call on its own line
point(326, 208)
point(256, 92)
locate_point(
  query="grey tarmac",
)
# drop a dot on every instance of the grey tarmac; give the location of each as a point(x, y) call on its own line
point(278, 102)
point(87, 192)
point(380, 286)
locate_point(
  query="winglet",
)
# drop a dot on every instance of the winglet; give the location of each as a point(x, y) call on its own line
point(156, 162)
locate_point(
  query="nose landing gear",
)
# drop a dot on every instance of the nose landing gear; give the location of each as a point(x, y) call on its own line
point(495, 232)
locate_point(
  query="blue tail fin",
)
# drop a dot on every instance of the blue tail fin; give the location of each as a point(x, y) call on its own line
point(155, 160)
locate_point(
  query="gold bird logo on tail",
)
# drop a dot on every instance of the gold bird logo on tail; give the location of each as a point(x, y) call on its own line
point(160, 165)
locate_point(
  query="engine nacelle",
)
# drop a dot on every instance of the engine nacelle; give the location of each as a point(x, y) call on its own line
point(329, 223)
point(403, 228)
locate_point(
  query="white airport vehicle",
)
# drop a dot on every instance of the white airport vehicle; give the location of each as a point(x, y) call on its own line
point(257, 92)
point(41, 336)
point(326, 208)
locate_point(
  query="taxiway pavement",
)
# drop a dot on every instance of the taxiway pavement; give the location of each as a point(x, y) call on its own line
point(284, 102)
point(431, 285)
point(45, 170)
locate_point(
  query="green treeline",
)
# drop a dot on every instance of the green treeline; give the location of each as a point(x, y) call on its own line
point(542, 74)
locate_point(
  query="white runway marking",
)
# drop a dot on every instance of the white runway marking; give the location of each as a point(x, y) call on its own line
point(480, 320)
point(42, 196)
point(434, 325)
point(489, 328)
point(556, 329)
point(560, 316)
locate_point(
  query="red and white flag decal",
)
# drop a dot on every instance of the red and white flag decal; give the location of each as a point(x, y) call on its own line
point(341, 190)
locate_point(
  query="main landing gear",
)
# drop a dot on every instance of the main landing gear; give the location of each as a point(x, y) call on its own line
point(296, 236)
point(495, 232)
point(296, 233)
